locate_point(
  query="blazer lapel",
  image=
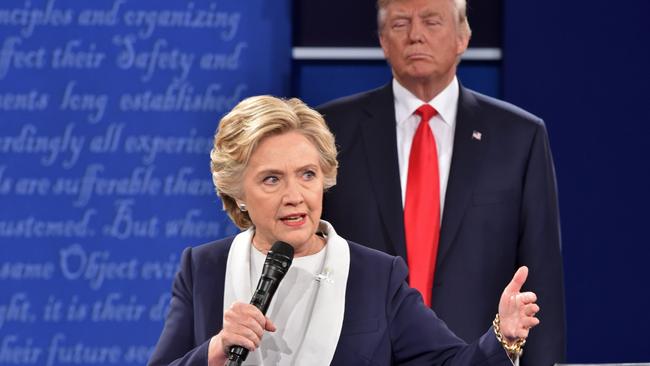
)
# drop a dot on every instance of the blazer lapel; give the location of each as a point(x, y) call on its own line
point(468, 151)
point(380, 142)
point(237, 285)
point(324, 330)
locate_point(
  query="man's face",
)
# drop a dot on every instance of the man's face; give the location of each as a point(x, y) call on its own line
point(422, 40)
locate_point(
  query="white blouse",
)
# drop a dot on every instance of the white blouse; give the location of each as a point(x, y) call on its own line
point(292, 307)
point(308, 307)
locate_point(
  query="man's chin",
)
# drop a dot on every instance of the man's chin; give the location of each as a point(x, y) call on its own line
point(419, 74)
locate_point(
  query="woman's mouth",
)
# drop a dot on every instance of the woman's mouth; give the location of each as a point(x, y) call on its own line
point(294, 220)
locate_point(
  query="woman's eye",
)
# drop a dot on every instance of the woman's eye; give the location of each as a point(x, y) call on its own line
point(309, 175)
point(270, 180)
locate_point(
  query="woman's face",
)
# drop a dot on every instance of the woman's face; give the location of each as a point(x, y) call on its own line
point(283, 192)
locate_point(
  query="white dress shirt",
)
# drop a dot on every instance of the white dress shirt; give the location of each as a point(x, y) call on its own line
point(442, 124)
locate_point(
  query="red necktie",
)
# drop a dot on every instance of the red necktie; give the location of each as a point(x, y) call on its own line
point(422, 206)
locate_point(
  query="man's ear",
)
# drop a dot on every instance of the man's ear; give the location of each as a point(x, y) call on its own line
point(462, 41)
point(382, 43)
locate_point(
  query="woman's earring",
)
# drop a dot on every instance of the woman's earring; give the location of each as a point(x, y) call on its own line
point(242, 207)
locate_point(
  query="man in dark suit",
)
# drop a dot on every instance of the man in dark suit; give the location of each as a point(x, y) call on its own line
point(495, 206)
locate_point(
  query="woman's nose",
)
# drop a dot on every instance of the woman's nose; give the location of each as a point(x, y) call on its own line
point(292, 194)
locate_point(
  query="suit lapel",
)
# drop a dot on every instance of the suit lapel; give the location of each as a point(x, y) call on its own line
point(380, 143)
point(467, 154)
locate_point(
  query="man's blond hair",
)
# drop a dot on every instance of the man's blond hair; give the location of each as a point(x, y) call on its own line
point(460, 5)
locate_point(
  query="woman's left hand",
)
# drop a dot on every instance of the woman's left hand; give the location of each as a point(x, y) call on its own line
point(517, 309)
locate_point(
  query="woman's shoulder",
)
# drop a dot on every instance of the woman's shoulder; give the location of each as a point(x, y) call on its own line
point(362, 250)
point(215, 245)
point(374, 274)
point(362, 256)
point(208, 253)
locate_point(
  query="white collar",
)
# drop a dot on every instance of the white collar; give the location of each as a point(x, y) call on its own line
point(446, 102)
point(323, 332)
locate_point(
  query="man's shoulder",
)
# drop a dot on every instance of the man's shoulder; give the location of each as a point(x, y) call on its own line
point(355, 101)
point(496, 108)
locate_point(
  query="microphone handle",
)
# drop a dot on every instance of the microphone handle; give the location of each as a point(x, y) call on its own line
point(235, 361)
point(275, 267)
point(261, 300)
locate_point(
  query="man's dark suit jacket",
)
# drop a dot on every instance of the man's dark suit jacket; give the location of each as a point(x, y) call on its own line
point(500, 210)
point(385, 321)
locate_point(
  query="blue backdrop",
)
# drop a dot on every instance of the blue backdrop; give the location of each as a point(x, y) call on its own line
point(107, 112)
point(583, 67)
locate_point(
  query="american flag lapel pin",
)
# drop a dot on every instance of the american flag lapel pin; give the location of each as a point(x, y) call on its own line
point(476, 136)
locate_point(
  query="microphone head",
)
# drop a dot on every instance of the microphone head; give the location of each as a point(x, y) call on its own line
point(282, 248)
point(279, 258)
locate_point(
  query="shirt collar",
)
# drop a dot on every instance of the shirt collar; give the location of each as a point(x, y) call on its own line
point(446, 102)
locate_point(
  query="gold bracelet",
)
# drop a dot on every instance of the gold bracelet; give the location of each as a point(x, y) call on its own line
point(514, 350)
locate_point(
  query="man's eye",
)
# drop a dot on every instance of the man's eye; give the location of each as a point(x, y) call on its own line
point(400, 24)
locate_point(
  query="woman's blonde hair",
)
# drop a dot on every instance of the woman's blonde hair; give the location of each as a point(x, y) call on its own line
point(242, 129)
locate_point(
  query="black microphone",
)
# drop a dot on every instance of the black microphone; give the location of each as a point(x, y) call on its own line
point(276, 265)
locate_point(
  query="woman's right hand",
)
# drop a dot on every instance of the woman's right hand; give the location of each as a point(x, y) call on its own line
point(243, 325)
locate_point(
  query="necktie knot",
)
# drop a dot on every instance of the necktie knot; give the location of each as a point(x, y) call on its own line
point(425, 111)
